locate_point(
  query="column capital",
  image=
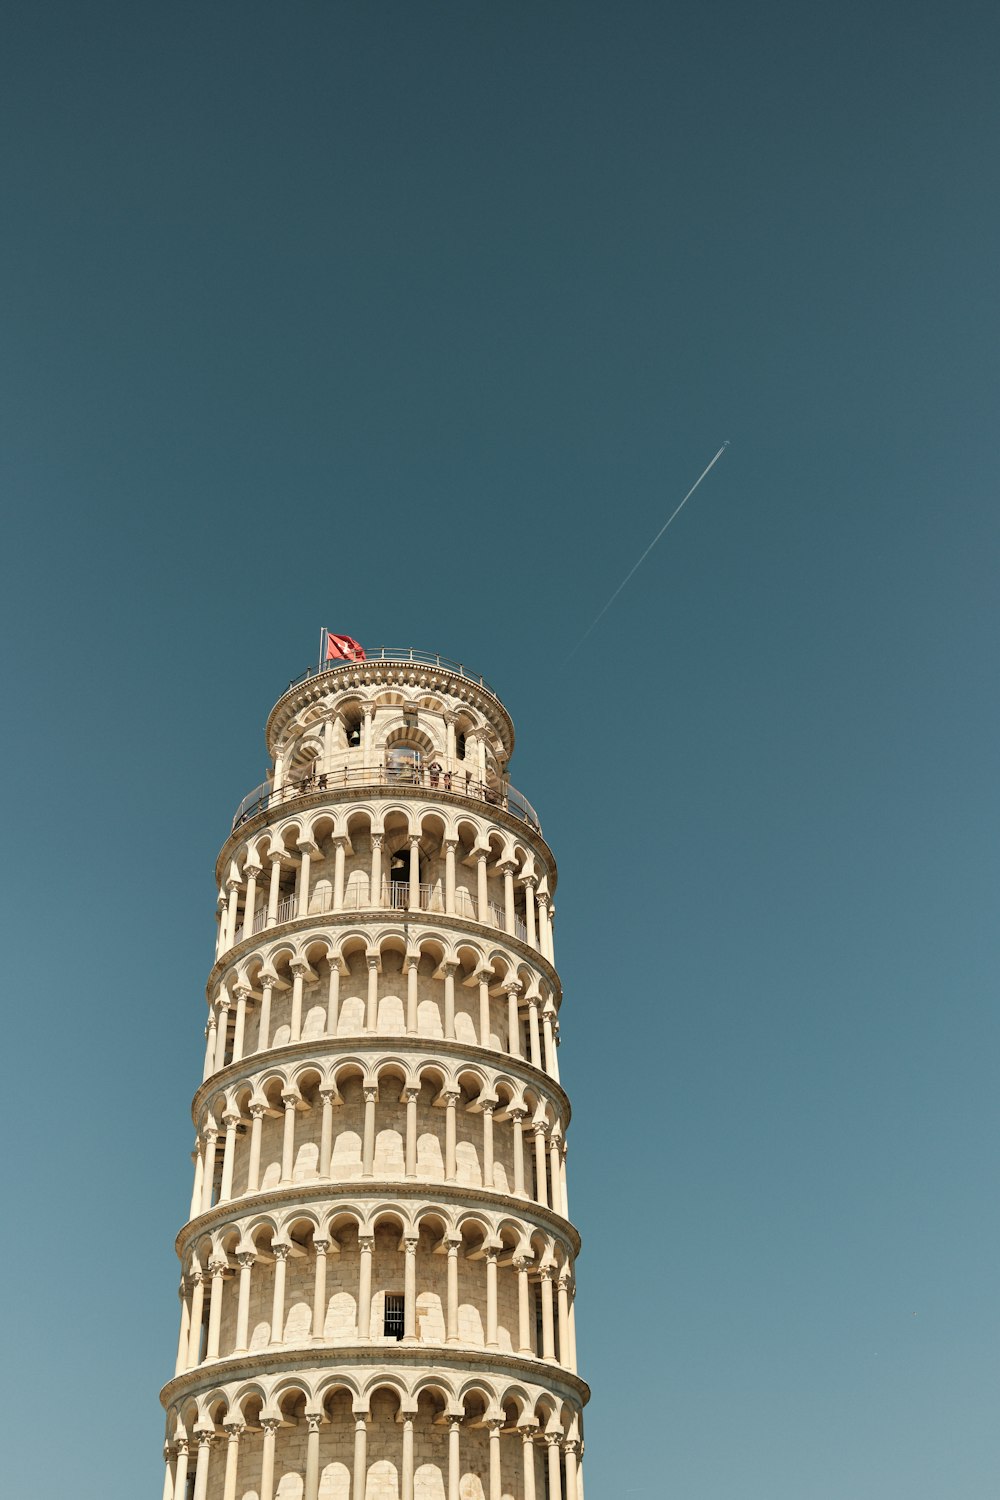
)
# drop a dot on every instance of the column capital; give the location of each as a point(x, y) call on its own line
point(513, 986)
point(517, 1114)
point(523, 1263)
point(366, 1243)
point(217, 1267)
point(539, 1128)
point(224, 1003)
point(531, 880)
point(410, 1094)
point(570, 1445)
point(494, 1424)
point(211, 1133)
point(547, 1272)
point(235, 1428)
point(414, 839)
point(448, 968)
point(321, 1246)
point(528, 1431)
point(377, 840)
point(290, 1098)
point(253, 870)
point(329, 1096)
point(242, 991)
point(314, 1418)
point(246, 1259)
point(270, 1425)
point(299, 966)
point(542, 897)
point(410, 1243)
point(231, 1119)
point(205, 1436)
point(281, 1252)
point(370, 1091)
point(451, 1097)
point(507, 866)
point(553, 1439)
point(485, 976)
point(257, 1111)
point(488, 1106)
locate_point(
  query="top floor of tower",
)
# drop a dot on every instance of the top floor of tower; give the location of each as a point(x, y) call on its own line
point(398, 716)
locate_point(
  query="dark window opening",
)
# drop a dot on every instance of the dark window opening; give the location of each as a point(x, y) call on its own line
point(395, 1316)
point(460, 747)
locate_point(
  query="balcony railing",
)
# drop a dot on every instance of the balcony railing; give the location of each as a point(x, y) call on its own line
point(395, 897)
point(400, 654)
point(462, 783)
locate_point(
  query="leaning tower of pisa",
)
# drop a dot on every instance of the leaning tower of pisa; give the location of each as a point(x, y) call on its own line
point(378, 1269)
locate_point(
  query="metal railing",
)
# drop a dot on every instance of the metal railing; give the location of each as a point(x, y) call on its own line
point(400, 654)
point(461, 783)
point(395, 897)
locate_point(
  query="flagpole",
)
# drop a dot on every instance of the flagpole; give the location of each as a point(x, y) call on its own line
point(322, 643)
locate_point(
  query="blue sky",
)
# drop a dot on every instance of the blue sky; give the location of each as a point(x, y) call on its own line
point(416, 321)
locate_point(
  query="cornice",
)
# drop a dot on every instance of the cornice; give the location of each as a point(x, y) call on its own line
point(380, 1191)
point(280, 1361)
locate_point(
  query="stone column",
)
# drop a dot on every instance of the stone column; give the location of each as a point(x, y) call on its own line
point(298, 979)
point(485, 977)
point(320, 1247)
point(496, 1483)
point(414, 872)
point(326, 1132)
point(529, 882)
point(548, 1332)
point(450, 1133)
point(233, 1431)
point(246, 1259)
point(264, 1030)
point(169, 1459)
point(208, 1183)
point(513, 1018)
point(448, 970)
point(534, 1041)
point(366, 1245)
point(454, 1459)
point(217, 1270)
point(544, 931)
point(554, 1443)
point(516, 1116)
point(368, 1142)
point(184, 1337)
point(572, 1329)
point(375, 893)
point(206, 1437)
point(210, 1031)
point(551, 1065)
point(570, 1449)
point(410, 1097)
point(508, 895)
point(302, 905)
point(521, 1265)
point(333, 998)
point(270, 1426)
point(250, 904)
point(289, 1100)
point(181, 1469)
point(198, 1157)
point(450, 845)
point(273, 891)
point(198, 1279)
point(406, 1466)
point(222, 1032)
point(239, 1035)
point(359, 1483)
point(410, 1289)
point(562, 1304)
point(489, 1105)
point(541, 1187)
point(528, 1458)
point(368, 756)
point(313, 1418)
point(339, 861)
point(231, 1123)
point(281, 1254)
point(563, 1180)
point(257, 1112)
point(491, 1298)
point(233, 887)
point(555, 1163)
point(371, 1014)
point(412, 992)
point(482, 888)
point(454, 1244)
point(450, 757)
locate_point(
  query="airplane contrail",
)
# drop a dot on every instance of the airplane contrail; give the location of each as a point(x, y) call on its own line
point(648, 550)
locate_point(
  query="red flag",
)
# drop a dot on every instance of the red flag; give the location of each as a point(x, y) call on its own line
point(343, 648)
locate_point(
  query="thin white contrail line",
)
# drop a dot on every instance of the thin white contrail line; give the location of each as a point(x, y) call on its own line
point(648, 550)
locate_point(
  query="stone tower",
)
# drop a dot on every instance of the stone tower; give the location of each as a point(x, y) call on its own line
point(378, 1271)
